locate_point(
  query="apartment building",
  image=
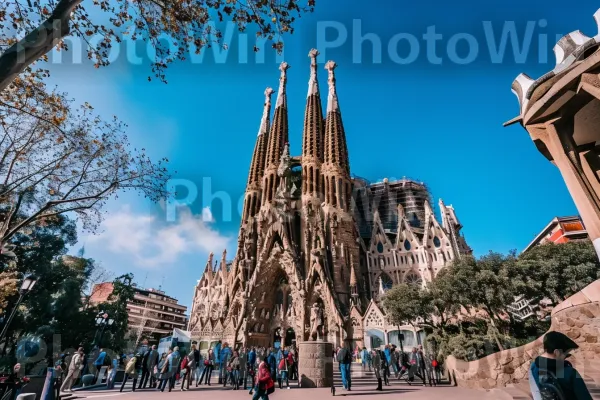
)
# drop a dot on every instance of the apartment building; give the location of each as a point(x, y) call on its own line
point(152, 313)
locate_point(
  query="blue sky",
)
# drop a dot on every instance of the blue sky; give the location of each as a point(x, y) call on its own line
point(431, 118)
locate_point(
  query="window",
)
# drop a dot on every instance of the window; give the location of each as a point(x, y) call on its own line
point(436, 241)
point(406, 245)
point(380, 247)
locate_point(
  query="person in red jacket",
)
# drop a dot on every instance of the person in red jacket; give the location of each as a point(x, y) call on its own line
point(263, 382)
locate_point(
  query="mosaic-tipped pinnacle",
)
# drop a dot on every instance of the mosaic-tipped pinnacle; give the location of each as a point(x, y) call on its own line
point(268, 92)
point(597, 18)
point(519, 87)
point(568, 44)
point(313, 53)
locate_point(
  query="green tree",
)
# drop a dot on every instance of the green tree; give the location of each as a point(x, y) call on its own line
point(557, 271)
point(485, 284)
point(405, 304)
point(116, 336)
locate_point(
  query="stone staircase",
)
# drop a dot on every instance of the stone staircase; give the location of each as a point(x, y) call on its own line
point(365, 380)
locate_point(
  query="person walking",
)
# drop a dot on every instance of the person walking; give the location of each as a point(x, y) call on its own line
point(422, 367)
point(75, 367)
point(263, 382)
point(551, 376)
point(271, 362)
point(234, 366)
point(193, 363)
point(364, 358)
point(344, 357)
point(251, 367)
point(376, 361)
point(282, 370)
point(99, 363)
point(243, 356)
point(224, 356)
point(385, 368)
point(184, 371)
point(209, 365)
point(131, 371)
point(149, 363)
point(164, 375)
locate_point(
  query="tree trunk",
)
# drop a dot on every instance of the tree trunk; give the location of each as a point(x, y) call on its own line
point(36, 43)
point(495, 331)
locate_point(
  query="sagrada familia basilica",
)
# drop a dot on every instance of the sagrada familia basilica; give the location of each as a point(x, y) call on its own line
point(317, 247)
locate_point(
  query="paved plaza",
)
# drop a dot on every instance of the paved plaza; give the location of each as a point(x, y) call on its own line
point(403, 391)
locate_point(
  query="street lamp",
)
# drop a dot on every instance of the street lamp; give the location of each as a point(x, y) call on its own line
point(28, 284)
point(102, 321)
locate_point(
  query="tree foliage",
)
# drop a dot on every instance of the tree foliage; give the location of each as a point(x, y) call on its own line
point(404, 304)
point(173, 28)
point(466, 309)
point(57, 158)
point(558, 271)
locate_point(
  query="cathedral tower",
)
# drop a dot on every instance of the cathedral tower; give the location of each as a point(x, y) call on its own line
point(336, 168)
point(257, 166)
point(312, 137)
point(277, 139)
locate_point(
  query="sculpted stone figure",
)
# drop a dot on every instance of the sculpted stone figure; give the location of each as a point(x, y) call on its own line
point(316, 322)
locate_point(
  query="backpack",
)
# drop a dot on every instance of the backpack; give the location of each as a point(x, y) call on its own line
point(184, 363)
point(549, 386)
point(282, 366)
point(347, 357)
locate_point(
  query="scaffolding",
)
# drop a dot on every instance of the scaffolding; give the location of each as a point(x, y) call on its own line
point(384, 197)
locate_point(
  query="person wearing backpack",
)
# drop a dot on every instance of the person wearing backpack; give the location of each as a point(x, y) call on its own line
point(551, 376)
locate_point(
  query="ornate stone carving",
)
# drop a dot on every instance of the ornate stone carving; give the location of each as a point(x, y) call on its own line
point(316, 322)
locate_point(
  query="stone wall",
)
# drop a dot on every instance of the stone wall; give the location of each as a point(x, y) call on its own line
point(577, 317)
point(315, 364)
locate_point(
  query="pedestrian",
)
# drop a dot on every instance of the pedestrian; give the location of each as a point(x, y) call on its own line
point(364, 358)
point(385, 368)
point(75, 367)
point(184, 371)
point(551, 376)
point(344, 357)
point(243, 357)
point(224, 355)
point(421, 363)
point(98, 364)
point(131, 371)
point(376, 361)
point(264, 382)
point(209, 365)
point(282, 369)
point(234, 370)
point(149, 364)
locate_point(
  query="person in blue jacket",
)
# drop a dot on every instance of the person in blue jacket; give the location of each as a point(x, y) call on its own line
point(552, 376)
point(224, 356)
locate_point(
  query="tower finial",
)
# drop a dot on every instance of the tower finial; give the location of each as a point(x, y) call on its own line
point(264, 122)
point(332, 101)
point(313, 85)
point(281, 97)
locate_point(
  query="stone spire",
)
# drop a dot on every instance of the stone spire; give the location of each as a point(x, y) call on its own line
point(257, 165)
point(224, 271)
point(312, 136)
point(279, 129)
point(208, 269)
point(337, 177)
point(277, 139)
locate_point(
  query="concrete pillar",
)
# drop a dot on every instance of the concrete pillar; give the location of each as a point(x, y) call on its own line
point(567, 159)
point(315, 364)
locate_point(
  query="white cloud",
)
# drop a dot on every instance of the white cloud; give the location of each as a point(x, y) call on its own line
point(151, 244)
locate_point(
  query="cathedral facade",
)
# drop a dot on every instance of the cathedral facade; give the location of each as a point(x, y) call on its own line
point(314, 238)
